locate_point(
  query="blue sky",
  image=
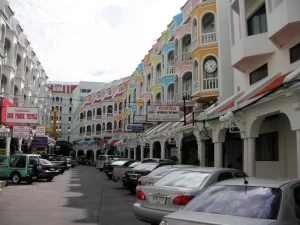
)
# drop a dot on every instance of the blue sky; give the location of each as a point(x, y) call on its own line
point(99, 40)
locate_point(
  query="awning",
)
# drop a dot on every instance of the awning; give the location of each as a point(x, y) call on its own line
point(102, 143)
point(113, 142)
point(5, 104)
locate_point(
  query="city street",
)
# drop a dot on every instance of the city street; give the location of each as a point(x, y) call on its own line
point(82, 195)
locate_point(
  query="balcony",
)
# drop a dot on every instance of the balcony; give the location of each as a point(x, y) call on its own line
point(98, 117)
point(116, 113)
point(194, 44)
point(209, 38)
point(89, 118)
point(110, 114)
point(283, 21)
point(10, 62)
point(186, 57)
point(187, 93)
point(88, 134)
point(171, 70)
point(98, 133)
point(107, 133)
point(170, 102)
point(249, 49)
point(81, 120)
point(81, 134)
point(20, 73)
point(210, 84)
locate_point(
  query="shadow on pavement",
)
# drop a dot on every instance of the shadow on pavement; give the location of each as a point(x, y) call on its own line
point(103, 201)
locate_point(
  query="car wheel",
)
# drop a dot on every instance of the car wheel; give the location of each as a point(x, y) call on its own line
point(62, 172)
point(109, 176)
point(49, 179)
point(16, 178)
point(73, 166)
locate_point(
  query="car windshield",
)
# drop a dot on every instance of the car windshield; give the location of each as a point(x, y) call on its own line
point(146, 166)
point(45, 162)
point(161, 171)
point(183, 178)
point(253, 202)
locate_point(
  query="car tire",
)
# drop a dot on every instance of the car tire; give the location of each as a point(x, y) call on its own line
point(73, 166)
point(62, 172)
point(16, 178)
point(49, 179)
point(109, 176)
point(29, 181)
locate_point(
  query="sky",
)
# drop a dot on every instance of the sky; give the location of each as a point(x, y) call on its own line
point(93, 40)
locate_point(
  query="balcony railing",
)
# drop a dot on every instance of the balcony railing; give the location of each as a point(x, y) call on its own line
point(194, 43)
point(88, 134)
point(187, 93)
point(107, 132)
point(171, 70)
point(176, 98)
point(81, 120)
point(158, 79)
point(110, 114)
point(186, 57)
point(120, 111)
point(98, 133)
point(98, 117)
point(89, 118)
point(196, 87)
point(170, 102)
point(210, 83)
point(81, 134)
point(209, 38)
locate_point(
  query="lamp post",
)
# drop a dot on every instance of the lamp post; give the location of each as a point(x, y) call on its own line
point(184, 98)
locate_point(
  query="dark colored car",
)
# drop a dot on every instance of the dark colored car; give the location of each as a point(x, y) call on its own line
point(130, 180)
point(82, 160)
point(59, 161)
point(72, 161)
point(49, 171)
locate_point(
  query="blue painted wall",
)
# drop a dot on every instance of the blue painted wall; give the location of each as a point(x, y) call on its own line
point(133, 108)
point(178, 19)
point(133, 86)
point(141, 68)
point(166, 80)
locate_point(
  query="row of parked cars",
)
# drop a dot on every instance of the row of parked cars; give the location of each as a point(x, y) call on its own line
point(172, 194)
point(30, 167)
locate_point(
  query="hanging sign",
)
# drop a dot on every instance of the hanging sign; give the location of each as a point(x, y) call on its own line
point(21, 131)
point(22, 115)
point(163, 113)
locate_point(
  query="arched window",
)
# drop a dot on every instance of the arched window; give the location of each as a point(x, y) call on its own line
point(57, 99)
point(171, 63)
point(208, 29)
point(158, 73)
point(194, 29)
point(187, 84)
point(115, 125)
point(195, 76)
point(116, 107)
point(170, 94)
point(120, 124)
point(70, 100)
point(109, 126)
point(70, 110)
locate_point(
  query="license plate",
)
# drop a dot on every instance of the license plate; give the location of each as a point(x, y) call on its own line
point(134, 177)
point(52, 169)
point(34, 177)
point(159, 200)
point(148, 183)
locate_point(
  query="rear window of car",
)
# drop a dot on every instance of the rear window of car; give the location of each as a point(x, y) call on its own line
point(149, 160)
point(252, 202)
point(146, 166)
point(101, 158)
point(45, 162)
point(183, 178)
point(161, 171)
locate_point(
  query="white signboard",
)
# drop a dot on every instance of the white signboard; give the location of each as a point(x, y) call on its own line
point(139, 119)
point(40, 131)
point(22, 115)
point(156, 113)
point(21, 131)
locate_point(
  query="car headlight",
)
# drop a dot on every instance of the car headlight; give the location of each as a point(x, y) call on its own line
point(163, 222)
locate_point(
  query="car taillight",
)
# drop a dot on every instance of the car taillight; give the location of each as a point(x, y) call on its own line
point(182, 200)
point(125, 174)
point(140, 195)
point(44, 167)
point(139, 183)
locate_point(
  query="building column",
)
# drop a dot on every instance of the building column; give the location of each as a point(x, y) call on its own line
point(142, 152)
point(151, 149)
point(20, 144)
point(251, 157)
point(218, 156)
point(163, 150)
point(134, 153)
point(7, 146)
point(201, 152)
point(298, 152)
point(95, 155)
point(243, 24)
point(245, 155)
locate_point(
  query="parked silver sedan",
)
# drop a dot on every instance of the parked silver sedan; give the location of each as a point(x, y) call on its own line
point(173, 191)
point(259, 202)
point(155, 175)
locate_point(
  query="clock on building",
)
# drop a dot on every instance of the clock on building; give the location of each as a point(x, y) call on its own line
point(210, 66)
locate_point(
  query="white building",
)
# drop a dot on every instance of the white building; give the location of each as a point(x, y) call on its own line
point(23, 79)
point(66, 98)
point(265, 51)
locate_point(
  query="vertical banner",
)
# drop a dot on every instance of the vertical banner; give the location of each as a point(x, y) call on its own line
point(54, 119)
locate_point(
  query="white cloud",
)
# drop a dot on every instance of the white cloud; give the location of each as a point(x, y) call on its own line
point(75, 40)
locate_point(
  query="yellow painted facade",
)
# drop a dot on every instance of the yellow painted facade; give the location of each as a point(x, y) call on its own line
point(201, 51)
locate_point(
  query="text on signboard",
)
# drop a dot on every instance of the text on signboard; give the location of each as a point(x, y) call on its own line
point(22, 116)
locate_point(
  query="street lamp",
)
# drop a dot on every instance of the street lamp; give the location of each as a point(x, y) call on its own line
point(184, 98)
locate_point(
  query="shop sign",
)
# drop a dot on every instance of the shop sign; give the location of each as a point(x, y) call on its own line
point(139, 119)
point(40, 131)
point(134, 128)
point(21, 131)
point(163, 113)
point(22, 115)
point(39, 142)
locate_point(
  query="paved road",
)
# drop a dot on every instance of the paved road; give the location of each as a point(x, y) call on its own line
point(82, 195)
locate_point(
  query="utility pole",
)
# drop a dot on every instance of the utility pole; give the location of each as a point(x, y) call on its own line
point(184, 98)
